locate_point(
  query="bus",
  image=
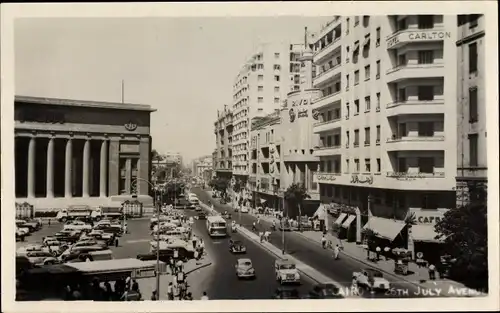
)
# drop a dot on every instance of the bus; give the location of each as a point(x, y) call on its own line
point(216, 226)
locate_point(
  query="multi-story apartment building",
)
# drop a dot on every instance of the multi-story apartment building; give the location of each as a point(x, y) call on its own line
point(202, 167)
point(259, 88)
point(265, 159)
point(223, 129)
point(387, 121)
point(471, 157)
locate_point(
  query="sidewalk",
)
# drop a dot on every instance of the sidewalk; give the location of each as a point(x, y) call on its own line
point(419, 276)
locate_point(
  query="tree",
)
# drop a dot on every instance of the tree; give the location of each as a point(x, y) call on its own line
point(219, 184)
point(466, 238)
point(155, 156)
point(295, 195)
point(237, 186)
point(370, 236)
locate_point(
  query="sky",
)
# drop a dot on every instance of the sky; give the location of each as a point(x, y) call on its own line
point(183, 67)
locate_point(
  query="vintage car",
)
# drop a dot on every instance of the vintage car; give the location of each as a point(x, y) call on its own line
point(77, 225)
point(286, 293)
point(68, 235)
point(198, 208)
point(202, 216)
point(21, 233)
point(236, 246)
point(286, 272)
point(244, 268)
point(23, 251)
point(85, 254)
point(101, 235)
point(41, 258)
point(90, 242)
point(226, 216)
point(244, 209)
point(325, 291)
point(25, 225)
point(372, 279)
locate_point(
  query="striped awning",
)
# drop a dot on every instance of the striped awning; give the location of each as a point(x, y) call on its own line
point(340, 219)
point(348, 221)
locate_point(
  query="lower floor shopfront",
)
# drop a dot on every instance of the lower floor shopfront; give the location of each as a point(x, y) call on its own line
point(388, 219)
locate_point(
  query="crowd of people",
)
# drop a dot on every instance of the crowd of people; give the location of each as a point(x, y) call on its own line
point(122, 290)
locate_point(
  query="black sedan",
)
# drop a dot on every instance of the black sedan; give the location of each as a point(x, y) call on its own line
point(286, 293)
point(325, 291)
point(202, 216)
point(236, 246)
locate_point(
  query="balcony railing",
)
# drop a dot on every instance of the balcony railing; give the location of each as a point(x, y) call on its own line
point(413, 102)
point(321, 147)
point(414, 66)
point(415, 138)
point(328, 70)
point(327, 122)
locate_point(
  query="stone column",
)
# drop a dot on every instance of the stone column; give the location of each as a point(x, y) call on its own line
point(68, 192)
point(128, 176)
point(50, 168)
point(31, 167)
point(86, 169)
point(103, 169)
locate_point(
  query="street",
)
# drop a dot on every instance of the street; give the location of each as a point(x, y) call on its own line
point(316, 257)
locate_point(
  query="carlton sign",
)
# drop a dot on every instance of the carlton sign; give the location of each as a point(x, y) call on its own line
point(417, 36)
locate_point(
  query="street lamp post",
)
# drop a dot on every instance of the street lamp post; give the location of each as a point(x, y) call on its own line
point(283, 221)
point(157, 235)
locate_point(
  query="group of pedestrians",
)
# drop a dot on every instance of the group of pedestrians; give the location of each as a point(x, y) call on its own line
point(123, 290)
point(327, 244)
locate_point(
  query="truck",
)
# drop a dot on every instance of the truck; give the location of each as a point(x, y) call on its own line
point(77, 212)
point(111, 211)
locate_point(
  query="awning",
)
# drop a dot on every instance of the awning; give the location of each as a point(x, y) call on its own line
point(348, 221)
point(320, 212)
point(367, 41)
point(340, 219)
point(425, 233)
point(384, 227)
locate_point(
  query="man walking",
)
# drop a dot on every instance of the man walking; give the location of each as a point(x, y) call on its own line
point(170, 291)
point(323, 241)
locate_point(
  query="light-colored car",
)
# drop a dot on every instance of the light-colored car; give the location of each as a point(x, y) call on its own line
point(286, 272)
point(21, 233)
point(372, 279)
point(244, 209)
point(41, 258)
point(244, 268)
point(22, 251)
point(77, 225)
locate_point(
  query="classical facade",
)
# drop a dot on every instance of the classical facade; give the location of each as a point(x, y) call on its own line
point(81, 152)
point(223, 130)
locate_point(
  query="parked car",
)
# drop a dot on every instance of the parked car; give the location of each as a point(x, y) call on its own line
point(100, 235)
point(202, 216)
point(286, 272)
point(23, 224)
point(77, 225)
point(236, 246)
point(89, 242)
point(286, 293)
point(68, 235)
point(198, 208)
point(244, 268)
point(21, 233)
point(372, 279)
point(167, 254)
point(244, 209)
point(325, 291)
point(41, 258)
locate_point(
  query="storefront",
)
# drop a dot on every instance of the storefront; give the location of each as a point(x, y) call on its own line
point(423, 236)
point(387, 232)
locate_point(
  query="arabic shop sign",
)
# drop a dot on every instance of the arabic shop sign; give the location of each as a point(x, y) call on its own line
point(361, 179)
point(326, 176)
point(409, 36)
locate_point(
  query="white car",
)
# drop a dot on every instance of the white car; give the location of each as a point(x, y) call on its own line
point(22, 251)
point(286, 272)
point(244, 209)
point(77, 225)
point(244, 268)
point(372, 279)
point(41, 258)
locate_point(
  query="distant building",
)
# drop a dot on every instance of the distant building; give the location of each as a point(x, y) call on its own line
point(223, 129)
point(173, 157)
point(203, 167)
point(472, 153)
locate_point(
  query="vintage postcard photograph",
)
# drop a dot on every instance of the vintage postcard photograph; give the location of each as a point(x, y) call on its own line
point(309, 156)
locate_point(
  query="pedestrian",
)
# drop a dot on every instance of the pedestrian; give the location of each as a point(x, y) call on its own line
point(194, 240)
point(261, 236)
point(170, 291)
point(127, 282)
point(323, 241)
point(77, 294)
point(125, 228)
point(432, 271)
point(204, 296)
point(49, 221)
point(154, 296)
point(254, 227)
point(172, 266)
point(377, 251)
point(267, 235)
point(202, 247)
point(116, 242)
point(135, 285)
point(336, 251)
point(179, 265)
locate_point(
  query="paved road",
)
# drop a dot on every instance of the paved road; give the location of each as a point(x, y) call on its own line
point(313, 255)
point(223, 284)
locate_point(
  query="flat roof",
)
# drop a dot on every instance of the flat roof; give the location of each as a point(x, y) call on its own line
point(110, 265)
point(83, 103)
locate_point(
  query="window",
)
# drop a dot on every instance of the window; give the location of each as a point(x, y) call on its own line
point(276, 100)
point(402, 130)
point(402, 165)
point(277, 67)
point(473, 57)
point(367, 104)
point(425, 93)
point(347, 82)
point(378, 166)
point(277, 78)
point(260, 66)
point(378, 70)
point(336, 140)
point(378, 134)
point(329, 141)
point(347, 25)
point(377, 41)
point(367, 166)
point(355, 52)
point(329, 115)
point(425, 21)
point(401, 59)
point(378, 101)
point(473, 112)
point(367, 72)
point(402, 95)
point(347, 110)
point(401, 24)
point(356, 107)
point(260, 77)
point(426, 57)
point(260, 88)
point(426, 129)
point(473, 19)
point(347, 138)
point(367, 136)
point(473, 150)
point(277, 55)
point(356, 137)
point(276, 89)
point(347, 165)
point(356, 165)
point(260, 99)
point(426, 165)
point(356, 77)
point(366, 20)
point(356, 20)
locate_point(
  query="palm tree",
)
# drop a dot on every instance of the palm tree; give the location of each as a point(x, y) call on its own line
point(370, 236)
point(295, 195)
point(410, 220)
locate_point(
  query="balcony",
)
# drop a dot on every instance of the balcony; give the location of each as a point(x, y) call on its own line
point(327, 51)
point(407, 71)
point(326, 178)
point(420, 181)
point(327, 75)
point(415, 107)
point(327, 100)
point(326, 126)
point(326, 151)
point(403, 37)
point(418, 143)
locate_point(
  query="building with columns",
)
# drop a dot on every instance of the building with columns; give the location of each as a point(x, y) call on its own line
point(70, 152)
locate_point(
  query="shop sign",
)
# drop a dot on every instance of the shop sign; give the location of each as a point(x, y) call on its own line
point(417, 36)
point(328, 177)
point(359, 179)
point(130, 126)
point(428, 217)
